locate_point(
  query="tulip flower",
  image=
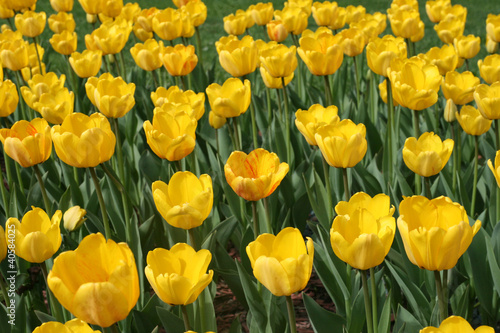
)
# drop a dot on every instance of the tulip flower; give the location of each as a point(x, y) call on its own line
point(354, 13)
point(493, 27)
point(97, 282)
point(236, 24)
point(215, 121)
point(324, 12)
point(112, 8)
point(282, 263)
point(37, 237)
point(436, 9)
point(145, 18)
point(171, 136)
point(450, 28)
point(64, 43)
point(140, 33)
point(8, 98)
point(86, 64)
point(455, 324)
point(380, 52)
point(294, 19)
point(110, 37)
point(472, 122)
point(459, 87)
point(3, 243)
point(495, 169)
point(112, 96)
point(73, 326)
point(382, 87)
point(62, 21)
point(353, 41)
point(6, 13)
point(343, 144)
point(272, 82)
point(197, 12)
point(179, 60)
point(450, 111)
point(231, 99)
point(406, 24)
point(54, 106)
point(467, 46)
point(362, 233)
point(40, 85)
point(186, 201)
point(371, 25)
point(62, 5)
point(73, 218)
point(84, 141)
point(178, 276)
point(256, 175)
point(19, 5)
point(168, 24)
point(176, 96)
point(91, 7)
point(489, 69)
point(14, 54)
point(322, 54)
point(488, 100)
point(237, 57)
point(31, 24)
point(262, 13)
point(309, 121)
point(147, 55)
point(279, 60)
point(435, 232)
point(130, 12)
point(445, 58)
point(276, 31)
point(27, 143)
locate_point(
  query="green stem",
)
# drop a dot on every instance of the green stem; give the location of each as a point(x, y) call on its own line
point(119, 150)
point(237, 136)
point(198, 47)
point(155, 79)
point(280, 110)
point(346, 184)
point(291, 314)
point(326, 169)
point(217, 141)
point(8, 171)
point(269, 107)
point(54, 304)
point(122, 65)
point(46, 200)
point(497, 128)
point(178, 166)
point(356, 65)
point(442, 302)
point(21, 100)
point(287, 124)
point(455, 162)
point(19, 178)
point(390, 126)
point(366, 294)
point(374, 300)
point(185, 317)
point(4, 287)
point(416, 133)
point(268, 216)
point(328, 91)
point(427, 182)
point(474, 186)
point(114, 328)
point(192, 239)
point(107, 229)
point(254, 124)
point(467, 64)
point(38, 56)
point(4, 196)
point(256, 227)
point(183, 82)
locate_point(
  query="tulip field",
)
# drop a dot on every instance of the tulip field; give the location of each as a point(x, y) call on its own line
point(234, 166)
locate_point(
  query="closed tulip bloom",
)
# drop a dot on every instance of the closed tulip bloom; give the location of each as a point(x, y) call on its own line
point(92, 7)
point(140, 33)
point(450, 110)
point(309, 121)
point(406, 24)
point(472, 121)
point(74, 217)
point(62, 5)
point(305, 5)
point(495, 168)
point(179, 60)
point(171, 136)
point(323, 54)
point(362, 234)
point(455, 324)
point(86, 64)
point(231, 99)
point(436, 9)
point(41, 85)
point(262, 13)
point(130, 12)
point(6, 13)
point(61, 21)
point(145, 18)
point(460, 87)
point(112, 8)
point(467, 46)
point(371, 26)
point(97, 282)
point(415, 85)
point(380, 52)
point(488, 100)
point(445, 58)
point(382, 87)
point(282, 263)
point(32, 55)
point(428, 155)
point(19, 5)
point(450, 28)
point(147, 55)
point(493, 27)
point(37, 237)
point(27, 142)
point(73, 326)
point(489, 68)
point(64, 43)
point(324, 12)
point(110, 37)
point(8, 98)
point(276, 31)
point(179, 275)
point(254, 176)
point(197, 12)
point(54, 106)
point(353, 41)
point(237, 57)
point(235, 24)
point(176, 96)
point(167, 24)
point(14, 54)
point(31, 24)
point(294, 19)
point(186, 201)
point(272, 82)
point(491, 45)
point(114, 97)
point(338, 20)
point(84, 141)
point(3, 244)
point(279, 60)
point(215, 121)
point(435, 232)
point(343, 144)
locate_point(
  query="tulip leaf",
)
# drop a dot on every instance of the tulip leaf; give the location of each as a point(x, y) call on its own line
point(171, 322)
point(13, 206)
point(406, 322)
point(235, 325)
point(493, 263)
point(147, 317)
point(461, 302)
point(321, 319)
point(21, 319)
point(384, 324)
point(155, 330)
point(358, 316)
point(44, 317)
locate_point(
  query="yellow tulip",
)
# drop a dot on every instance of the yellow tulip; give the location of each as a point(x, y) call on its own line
point(176, 96)
point(82, 141)
point(6, 13)
point(371, 25)
point(309, 121)
point(235, 24)
point(276, 31)
point(353, 41)
point(354, 13)
point(215, 121)
point(294, 19)
point(171, 136)
point(32, 55)
point(27, 143)
point(145, 18)
point(3, 243)
point(488, 100)
point(97, 282)
point(338, 20)
point(19, 5)
point(272, 82)
point(86, 64)
point(42, 84)
point(186, 201)
point(467, 46)
point(169, 24)
point(178, 276)
point(179, 60)
point(62, 5)
point(147, 55)
point(304, 5)
point(61, 21)
point(428, 155)
point(322, 54)
point(324, 12)
point(237, 57)
point(110, 37)
point(130, 12)
point(450, 28)
point(37, 237)
point(279, 60)
point(472, 122)
point(493, 27)
point(55, 105)
point(181, 3)
point(91, 7)
point(14, 54)
point(380, 52)
point(282, 263)
point(262, 13)
point(454, 324)
point(231, 99)
point(140, 33)
point(406, 24)
point(491, 45)
point(73, 326)
point(362, 234)
point(112, 8)
point(73, 218)
point(64, 43)
point(256, 175)
point(197, 12)
point(31, 24)
point(113, 96)
point(8, 98)
point(382, 87)
point(343, 144)
point(489, 69)
point(435, 232)
point(450, 110)
point(459, 87)
point(436, 9)
point(445, 58)
point(495, 168)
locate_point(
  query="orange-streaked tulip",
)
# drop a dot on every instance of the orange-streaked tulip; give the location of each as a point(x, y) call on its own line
point(179, 60)
point(8, 98)
point(489, 68)
point(322, 54)
point(86, 64)
point(380, 52)
point(64, 43)
point(309, 121)
point(231, 99)
point(428, 155)
point(472, 121)
point(97, 282)
point(31, 24)
point(277, 31)
point(237, 57)
point(435, 232)
point(37, 237)
point(455, 324)
point(282, 263)
point(179, 275)
point(445, 58)
point(294, 19)
point(488, 100)
point(147, 55)
point(176, 96)
point(74, 217)
point(84, 141)
point(61, 21)
point(62, 5)
point(459, 87)
point(467, 46)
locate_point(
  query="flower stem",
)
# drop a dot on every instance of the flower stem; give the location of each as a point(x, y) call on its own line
point(390, 126)
point(268, 216)
point(427, 182)
point(4, 196)
point(287, 124)
point(497, 128)
point(114, 328)
point(107, 229)
point(326, 169)
point(455, 162)
point(346, 184)
point(237, 137)
point(416, 132)
point(374, 300)
point(183, 82)
point(254, 124)
point(328, 91)
point(155, 79)
point(279, 103)
point(256, 231)
point(185, 317)
point(442, 302)
point(269, 107)
point(19, 178)
point(474, 186)
point(38, 56)
point(54, 304)
point(46, 200)
point(24, 115)
point(291, 314)
point(4, 287)
point(198, 47)
point(356, 65)
point(366, 294)
point(192, 239)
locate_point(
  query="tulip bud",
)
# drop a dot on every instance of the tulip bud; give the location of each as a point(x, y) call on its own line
point(74, 218)
point(449, 111)
point(91, 18)
point(491, 45)
point(216, 121)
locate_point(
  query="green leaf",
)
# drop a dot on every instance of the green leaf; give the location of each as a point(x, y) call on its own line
point(44, 317)
point(253, 297)
point(321, 319)
point(171, 323)
point(406, 322)
point(384, 324)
